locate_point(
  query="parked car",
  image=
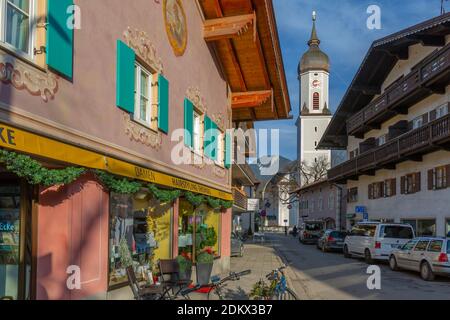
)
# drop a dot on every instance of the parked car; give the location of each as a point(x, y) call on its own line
point(237, 245)
point(376, 240)
point(332, 240)
point(428, 256)
point(311, 231)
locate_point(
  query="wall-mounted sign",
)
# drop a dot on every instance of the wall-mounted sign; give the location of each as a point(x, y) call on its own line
point(253, 204)
point(360, 209)
point(6, 226)
point(176, 26)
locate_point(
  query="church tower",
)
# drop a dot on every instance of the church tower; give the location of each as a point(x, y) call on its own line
point(313, 74)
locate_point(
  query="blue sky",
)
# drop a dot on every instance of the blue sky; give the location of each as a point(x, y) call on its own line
point(341, 27)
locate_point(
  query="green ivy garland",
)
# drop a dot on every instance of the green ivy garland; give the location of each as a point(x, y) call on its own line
point(195, 200)
point(118, 185)
point(164, 196)
point(31, 170)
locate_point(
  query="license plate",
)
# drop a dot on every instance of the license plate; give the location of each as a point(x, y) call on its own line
point(339, 243)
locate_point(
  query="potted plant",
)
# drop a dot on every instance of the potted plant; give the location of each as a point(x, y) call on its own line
point(184, 266)
point(205, 261)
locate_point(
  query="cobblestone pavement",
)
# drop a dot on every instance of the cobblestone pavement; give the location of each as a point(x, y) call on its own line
point(260, 258)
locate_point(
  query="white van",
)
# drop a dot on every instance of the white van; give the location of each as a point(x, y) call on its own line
point(376, 240)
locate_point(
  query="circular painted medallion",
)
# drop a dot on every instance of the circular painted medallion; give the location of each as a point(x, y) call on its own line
point(176, 26)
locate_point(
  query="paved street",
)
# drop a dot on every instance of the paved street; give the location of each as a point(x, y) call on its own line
point(260, 258)
point(317, 275)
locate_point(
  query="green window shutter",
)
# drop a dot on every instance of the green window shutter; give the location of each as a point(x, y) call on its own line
point(214, 141)
point(59, 47)
point(188, 123)
point(163, 104)
point(125, 77)
point(228, 146)
point(208, 137)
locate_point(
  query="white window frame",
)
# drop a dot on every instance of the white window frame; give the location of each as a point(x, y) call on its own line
point(139, 69)
point(417, 122)
point(220, 149)
point(197, 133)
point(441, 111)
point(32, 30)
point(382, 140)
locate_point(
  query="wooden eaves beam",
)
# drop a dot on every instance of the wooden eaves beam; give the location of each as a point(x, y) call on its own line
point(251, 99)
point(229, 27)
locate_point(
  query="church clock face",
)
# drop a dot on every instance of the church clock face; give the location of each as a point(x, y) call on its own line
point(316, 83)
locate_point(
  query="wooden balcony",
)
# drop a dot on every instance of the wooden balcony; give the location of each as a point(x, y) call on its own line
point(430, 76)
point(240, 198)
point(409, 146)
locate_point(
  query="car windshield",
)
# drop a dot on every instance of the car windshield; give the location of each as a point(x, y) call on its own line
point(396, 232)
point(313, 227)
point(338, 234)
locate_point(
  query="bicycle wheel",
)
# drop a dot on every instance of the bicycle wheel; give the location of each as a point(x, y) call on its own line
point(288, 294)
point(215, 294)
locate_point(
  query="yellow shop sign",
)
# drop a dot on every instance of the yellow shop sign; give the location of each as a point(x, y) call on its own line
point(23, 141)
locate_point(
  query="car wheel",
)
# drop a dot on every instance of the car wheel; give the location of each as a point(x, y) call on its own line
point(368, 257)
point(346, 253)
point(425, 272)
point(393, 263)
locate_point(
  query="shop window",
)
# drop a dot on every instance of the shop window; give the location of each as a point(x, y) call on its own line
point(9, 240)
point(426, 228)
point(423, 228)
point(316, 101)
point(17, 25)
point(140, 235)
point(198, 230)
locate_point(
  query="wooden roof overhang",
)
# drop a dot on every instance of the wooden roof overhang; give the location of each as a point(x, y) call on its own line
point(245, 37)
point(378, 63)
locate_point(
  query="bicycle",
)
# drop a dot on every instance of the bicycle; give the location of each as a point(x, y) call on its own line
point(215, 288)
point(277, 290)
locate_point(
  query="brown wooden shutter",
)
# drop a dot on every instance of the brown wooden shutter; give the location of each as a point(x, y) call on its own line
point(417, 182)
point(425, 118)
point(370, 191)
point(402, 185)
point(431, 179)
point(433, 115)
point(393, 187)
point(447, 174)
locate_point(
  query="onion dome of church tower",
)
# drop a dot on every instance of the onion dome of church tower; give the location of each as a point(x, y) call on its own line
point(314, 59)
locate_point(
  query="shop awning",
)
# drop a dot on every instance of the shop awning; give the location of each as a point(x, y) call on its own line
point(43, 147)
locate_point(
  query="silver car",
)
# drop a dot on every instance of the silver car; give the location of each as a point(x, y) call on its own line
point(428, 256)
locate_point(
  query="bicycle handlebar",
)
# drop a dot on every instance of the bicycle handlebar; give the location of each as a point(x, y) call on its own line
point(280, 269)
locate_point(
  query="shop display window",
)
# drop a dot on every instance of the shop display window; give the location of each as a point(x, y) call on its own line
point(140, 235)
point(202, 222)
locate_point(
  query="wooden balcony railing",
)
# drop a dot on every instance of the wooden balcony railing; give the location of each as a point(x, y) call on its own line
point(240, 198)
point(433, 136)
point(411, 89)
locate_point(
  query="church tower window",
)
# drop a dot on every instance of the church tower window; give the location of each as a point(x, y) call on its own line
point(316, 101)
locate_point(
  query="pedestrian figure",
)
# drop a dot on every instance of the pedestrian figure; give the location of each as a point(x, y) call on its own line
point(294, 231)
point(286, 231)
